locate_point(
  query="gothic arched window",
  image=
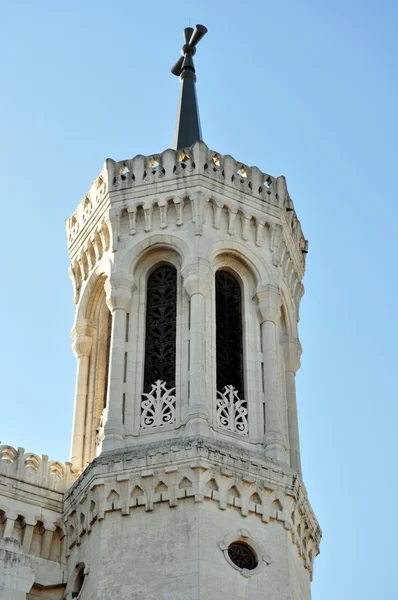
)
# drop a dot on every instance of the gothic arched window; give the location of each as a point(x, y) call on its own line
point(160, 337)
point(231, 408)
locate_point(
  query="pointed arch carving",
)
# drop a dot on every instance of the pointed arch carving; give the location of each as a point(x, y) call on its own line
point(93, 309)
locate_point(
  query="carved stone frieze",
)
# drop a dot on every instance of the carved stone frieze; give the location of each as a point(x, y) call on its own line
point(172, 472)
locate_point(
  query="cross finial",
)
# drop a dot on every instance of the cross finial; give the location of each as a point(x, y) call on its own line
point(188, 130)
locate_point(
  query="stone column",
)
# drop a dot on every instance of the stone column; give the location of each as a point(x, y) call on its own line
point(48, 535)
point(268, 309)
point(292, 352)
point(10, 522)
point(82, 337)
point(119, 290)
point(197, 278)
point(28, 534)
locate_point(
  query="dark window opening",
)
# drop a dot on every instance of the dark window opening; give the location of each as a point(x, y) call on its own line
point(242, 556)
point(161, 327)
point(107, 355)
point(229, 342)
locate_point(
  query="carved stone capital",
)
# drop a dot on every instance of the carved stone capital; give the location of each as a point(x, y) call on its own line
point(11, 515)
point(197, 277)
point(48, 526)
point(292, 352)
point(82, 337)
point(119, 289)
point(268, 301)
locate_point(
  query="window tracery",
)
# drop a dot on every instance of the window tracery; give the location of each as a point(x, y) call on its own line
point(231, 408)
point(158, 402)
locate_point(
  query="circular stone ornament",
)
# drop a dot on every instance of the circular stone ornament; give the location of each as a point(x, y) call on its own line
point(243, 553)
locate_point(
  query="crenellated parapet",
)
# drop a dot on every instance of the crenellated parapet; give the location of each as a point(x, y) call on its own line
point(176, 190)
point(32, 489)
point(35, 469)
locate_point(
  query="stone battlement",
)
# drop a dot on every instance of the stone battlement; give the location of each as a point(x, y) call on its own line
point(148, 193)
point(174, 165)
point(31, 468)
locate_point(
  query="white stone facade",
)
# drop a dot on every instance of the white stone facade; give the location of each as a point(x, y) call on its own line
point(160, 483)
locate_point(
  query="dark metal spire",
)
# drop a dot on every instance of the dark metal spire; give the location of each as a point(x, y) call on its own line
point(187, 130)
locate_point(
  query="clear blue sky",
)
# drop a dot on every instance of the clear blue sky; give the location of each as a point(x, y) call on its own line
point(305, 89)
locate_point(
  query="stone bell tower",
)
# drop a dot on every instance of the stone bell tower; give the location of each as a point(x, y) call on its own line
point(187, 269)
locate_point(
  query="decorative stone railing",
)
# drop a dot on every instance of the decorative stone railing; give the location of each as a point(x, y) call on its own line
point(36, 470)
point(197, 160)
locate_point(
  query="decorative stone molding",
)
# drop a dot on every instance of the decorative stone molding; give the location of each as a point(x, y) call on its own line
point(244, 536)
point(31, 468)
point(119, 289)
point(268, 303)
point(32, 525)
point(196, 469)
point(82, 337)
point(197, 276)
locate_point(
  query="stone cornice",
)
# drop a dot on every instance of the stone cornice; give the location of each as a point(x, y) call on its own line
point(200, 469)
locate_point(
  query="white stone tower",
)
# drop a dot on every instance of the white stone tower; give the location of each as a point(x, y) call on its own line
point(187, 269)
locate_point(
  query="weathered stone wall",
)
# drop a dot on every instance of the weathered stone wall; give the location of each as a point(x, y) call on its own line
point(175, 554)
point(156, 522)
point(32, 539)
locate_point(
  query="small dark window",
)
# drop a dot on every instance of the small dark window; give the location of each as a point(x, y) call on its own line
point(229, 343)
point(242, 556)
point(107, 354)
point(161, 326)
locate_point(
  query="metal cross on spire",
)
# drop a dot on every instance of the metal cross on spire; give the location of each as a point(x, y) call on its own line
point(187, 130)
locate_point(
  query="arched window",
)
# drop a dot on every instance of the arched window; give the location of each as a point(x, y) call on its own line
point(231, 408)
point(229, 345)
point(160, 339)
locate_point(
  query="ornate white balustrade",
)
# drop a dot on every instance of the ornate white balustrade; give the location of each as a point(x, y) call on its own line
point(232, 411)
point(158, 408)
